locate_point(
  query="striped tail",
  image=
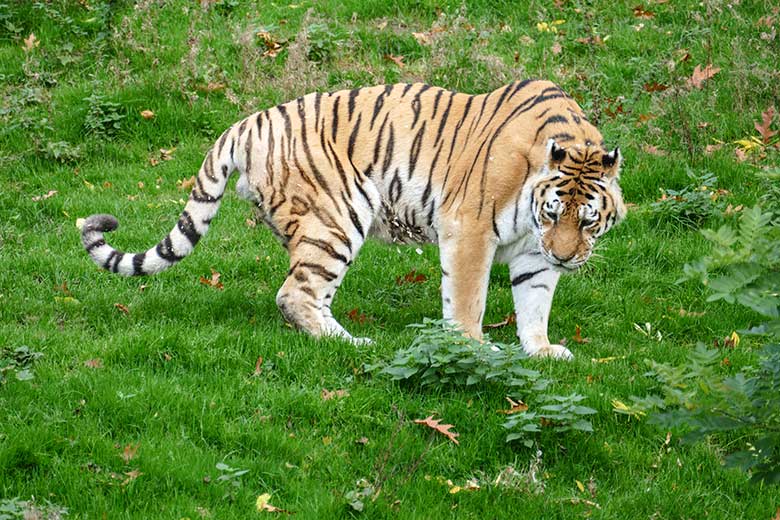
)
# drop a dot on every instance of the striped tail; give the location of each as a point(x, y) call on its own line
point(193, 223)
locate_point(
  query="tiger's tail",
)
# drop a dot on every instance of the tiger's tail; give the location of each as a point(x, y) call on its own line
point(193, 223)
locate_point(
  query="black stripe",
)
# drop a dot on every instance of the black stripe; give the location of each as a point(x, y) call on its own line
point(138, 264)
point(187, 228)
point(495, 225)
point(325, 246)
point(317, 103)
point(379, 103)
point(287, 124)
point(97, 243)
point(541, 286)
point(115, 267)
point(107, 263)
point(319, 271)
point(414, 153)
point(406, 89)
point(417, 105)
point(520, 278)
point(335, 126)
point(444, 117)
point(378, 144)
point(388, 160)
point(436, 103)
point(395, 188)
point(562, 137)
point(353, 137)
point(353, 94)
point(458, 126)
point(165, 250)
point(550, 120)
point(355, 219)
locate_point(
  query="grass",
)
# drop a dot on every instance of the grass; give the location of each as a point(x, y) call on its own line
point(175, 373)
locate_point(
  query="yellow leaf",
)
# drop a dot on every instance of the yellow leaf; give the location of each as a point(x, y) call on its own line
point(454, 489)
point(735, 338)
point(558, 22)
point(262, 501)
point(580, 486)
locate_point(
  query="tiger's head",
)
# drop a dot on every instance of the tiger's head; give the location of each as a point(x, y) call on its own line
point(575, 200)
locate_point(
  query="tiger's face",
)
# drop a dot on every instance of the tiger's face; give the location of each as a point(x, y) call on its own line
point(576, 200)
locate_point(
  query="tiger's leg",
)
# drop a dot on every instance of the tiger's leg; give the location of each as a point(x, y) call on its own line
point(320, 254)
point(533, 285)
point(465, 264)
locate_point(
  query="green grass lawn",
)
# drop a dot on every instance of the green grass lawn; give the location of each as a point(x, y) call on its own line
point(146, 385)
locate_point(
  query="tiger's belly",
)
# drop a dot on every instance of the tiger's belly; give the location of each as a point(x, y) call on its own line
point(402, 224)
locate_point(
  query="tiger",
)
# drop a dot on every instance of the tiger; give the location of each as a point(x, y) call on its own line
point(517, 176)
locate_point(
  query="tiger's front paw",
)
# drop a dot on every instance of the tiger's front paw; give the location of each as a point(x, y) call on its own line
point(553, 351)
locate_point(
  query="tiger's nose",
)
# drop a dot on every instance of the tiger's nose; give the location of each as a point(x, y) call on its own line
point(563, 259)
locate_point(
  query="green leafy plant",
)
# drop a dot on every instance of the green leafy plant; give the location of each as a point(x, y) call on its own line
point(323, 41)
point(699, 399)
point(693, 204)
point(744, 266)
point(440, 354)
point(62, 151)
point(104, 118)
point(19, 362)
point(11, 509)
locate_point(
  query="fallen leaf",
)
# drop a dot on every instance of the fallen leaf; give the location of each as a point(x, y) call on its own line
point(30, 42)
point(398, 60)
point(700, 75)
point(515, 407)
point(654, 86)
point(122, 308)
point(580, 485)
point(711, 148)
point(741, 155)
point(166, 154)
point(327, 440)
point(777, 514)
point(510, 319)
point(766, 122)
point(131, 476)
point(591, 40)
point(327, 395)
point(731, 341)
point(577, 338)
point(683, 312)
point(185, 184)
point(362, 441)
point(422, 38)
point(356, 316)
point(129, 451)
point(263, 504)
point(147, 114)
point(556, 48)
point(48, 195)
point(608, 359)
point(258, 366)
point(411, 277)
point(730, 210)
point(653, 150)
point(94, 363)
point(213, 281)
point(435, 424)
point(250, 223)
point(641, 12)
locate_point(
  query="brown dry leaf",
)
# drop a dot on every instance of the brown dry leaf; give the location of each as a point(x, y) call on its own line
point(258, 366)
point(700, 75)
point(777, 514)
point(730, 210)
point(577, 338)
point(683, 312)
point(444, 429)
point(515, 407)
point(654, 86)
point(213, 281)
point(211, 86)
point(167, 154)
point(710, 148)
point(741, 154)
point(766, 122)
point(94, 363)
point(30, 42)
point(653, 150)
point(129, 451)
point(327, 395)
point(641, 12)
point(48, 195)
point(122, 308)
point(556, 48)
point(510, 319)
point(147, 114)
point(411, 277)
point(131, 476)
point(185, 184)
point(591, 40)
point(356, 316)
point(362, 441)
point(398, 60)
point(422, 38)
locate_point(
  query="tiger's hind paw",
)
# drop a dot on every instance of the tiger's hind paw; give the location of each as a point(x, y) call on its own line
point(361, 341)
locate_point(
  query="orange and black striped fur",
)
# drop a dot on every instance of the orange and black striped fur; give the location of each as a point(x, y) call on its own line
point(517, 175)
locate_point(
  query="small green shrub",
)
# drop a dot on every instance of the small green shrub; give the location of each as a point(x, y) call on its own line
point(440, 354)
point(104, 118)
point(692, 205)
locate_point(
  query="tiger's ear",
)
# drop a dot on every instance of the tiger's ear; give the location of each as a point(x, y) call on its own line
point(555, 154)
point(611, 162)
